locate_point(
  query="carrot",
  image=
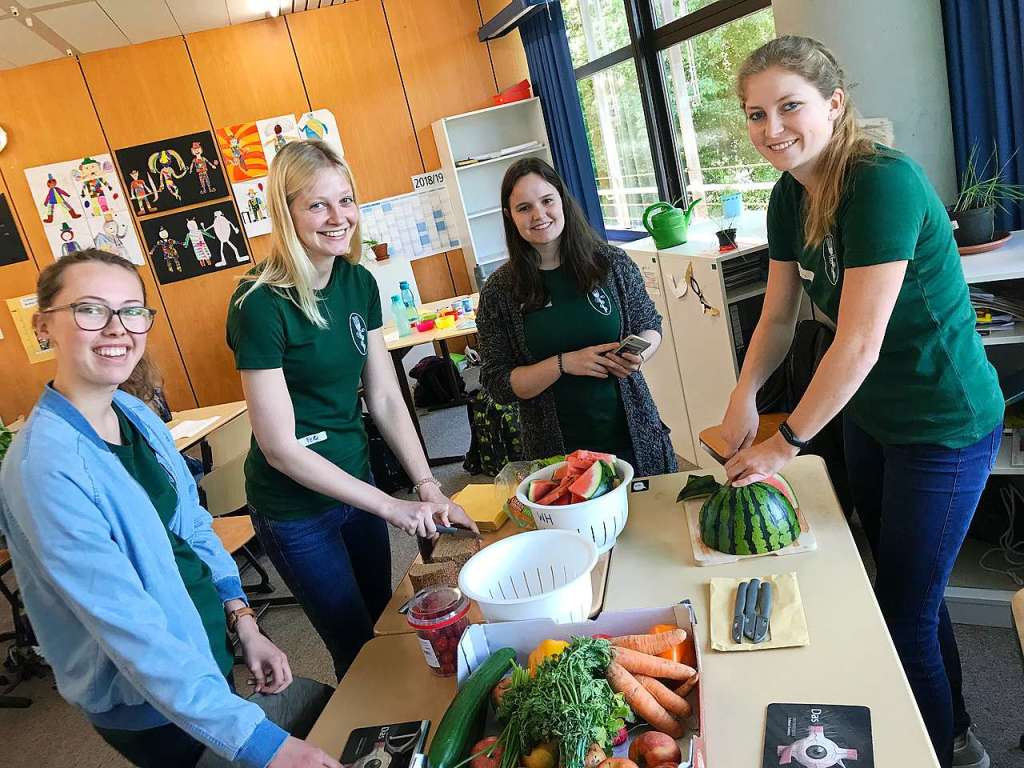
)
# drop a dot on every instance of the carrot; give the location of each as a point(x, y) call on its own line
point(688, 686)
point(653, 645)
point(641, 701)
point(673, 703)
point(652, 666)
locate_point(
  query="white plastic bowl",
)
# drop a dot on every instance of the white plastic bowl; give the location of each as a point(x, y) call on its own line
point(601, 519)
point(532, 575)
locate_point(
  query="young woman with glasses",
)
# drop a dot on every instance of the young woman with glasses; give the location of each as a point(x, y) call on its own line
point(130, 592)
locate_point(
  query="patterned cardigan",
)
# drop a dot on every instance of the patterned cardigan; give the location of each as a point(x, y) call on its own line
point(503, 347)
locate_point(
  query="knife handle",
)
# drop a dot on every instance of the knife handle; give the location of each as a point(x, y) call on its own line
point(764, 599)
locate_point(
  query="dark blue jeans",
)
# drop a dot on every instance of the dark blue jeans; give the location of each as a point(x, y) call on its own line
point(916, 503)
point(337, 563)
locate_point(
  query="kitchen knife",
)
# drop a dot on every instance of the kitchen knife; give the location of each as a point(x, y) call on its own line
point(764, 612)
point(459, 533)
point(750, 608)
point(737, 618)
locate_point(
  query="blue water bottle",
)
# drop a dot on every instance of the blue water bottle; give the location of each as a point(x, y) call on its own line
point(401, 318)
point(411, 312)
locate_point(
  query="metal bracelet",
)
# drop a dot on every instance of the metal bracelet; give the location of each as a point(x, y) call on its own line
point(425, 481)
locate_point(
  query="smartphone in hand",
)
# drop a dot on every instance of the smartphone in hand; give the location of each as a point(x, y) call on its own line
point(635, 345)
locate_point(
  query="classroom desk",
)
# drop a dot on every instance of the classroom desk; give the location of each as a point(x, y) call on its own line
point(399, 347)
point(225, 413)
point(851, 659)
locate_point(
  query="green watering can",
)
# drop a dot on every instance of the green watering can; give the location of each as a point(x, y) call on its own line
point(667, 224)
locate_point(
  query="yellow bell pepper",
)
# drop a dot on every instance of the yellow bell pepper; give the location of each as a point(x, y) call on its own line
point(546, 650)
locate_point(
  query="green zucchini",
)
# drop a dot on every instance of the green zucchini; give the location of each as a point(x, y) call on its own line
point(451, 739)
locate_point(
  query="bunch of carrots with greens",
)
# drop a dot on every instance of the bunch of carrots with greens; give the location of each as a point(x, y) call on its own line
point(584, 696)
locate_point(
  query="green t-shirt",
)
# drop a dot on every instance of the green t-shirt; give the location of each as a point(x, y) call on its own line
point(141, 462)
point(933, 383)
point(322, 368)
point(590, 411)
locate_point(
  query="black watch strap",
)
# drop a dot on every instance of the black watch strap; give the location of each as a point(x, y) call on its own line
point(787, 434)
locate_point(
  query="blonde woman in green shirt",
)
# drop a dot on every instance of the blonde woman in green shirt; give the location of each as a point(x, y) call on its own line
point(860, 228)
point(305, 328)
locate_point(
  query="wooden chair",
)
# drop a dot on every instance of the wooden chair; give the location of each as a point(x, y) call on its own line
point(1017, 604)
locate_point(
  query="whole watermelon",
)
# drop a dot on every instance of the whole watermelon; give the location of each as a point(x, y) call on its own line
point(751, 520)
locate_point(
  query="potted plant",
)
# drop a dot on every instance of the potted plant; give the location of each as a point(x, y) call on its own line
point(729, 207)
point(380, 250)
point(981, 192)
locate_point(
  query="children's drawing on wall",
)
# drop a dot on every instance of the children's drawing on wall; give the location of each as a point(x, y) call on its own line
point(251, 197)
point(82, 204)
point(12, 249)
point(195, 242)
point(320, 124)
point(171, 173)
point(242, 151)
point(275, 132)
point(22, 309)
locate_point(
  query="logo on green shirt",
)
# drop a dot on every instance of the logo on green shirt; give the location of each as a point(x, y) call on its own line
point(828, 255)
point(357, 326)
point(599, 301)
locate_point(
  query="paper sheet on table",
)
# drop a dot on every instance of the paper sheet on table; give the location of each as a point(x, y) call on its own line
point(189, 428)
point(787, 626)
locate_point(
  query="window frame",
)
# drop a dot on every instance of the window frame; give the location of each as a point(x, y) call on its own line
point(647, 41)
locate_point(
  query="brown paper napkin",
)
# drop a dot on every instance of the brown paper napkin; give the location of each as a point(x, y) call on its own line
point(788, 625)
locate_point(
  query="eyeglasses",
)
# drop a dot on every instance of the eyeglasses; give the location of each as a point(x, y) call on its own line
point(90, 316)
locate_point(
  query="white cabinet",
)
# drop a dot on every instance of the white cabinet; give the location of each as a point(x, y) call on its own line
point(476, 148)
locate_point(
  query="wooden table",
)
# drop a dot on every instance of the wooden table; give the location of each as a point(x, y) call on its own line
point(851, 659)
point(399, 347)
point(224, 413)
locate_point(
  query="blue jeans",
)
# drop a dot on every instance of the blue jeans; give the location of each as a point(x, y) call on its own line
point(338, 565)
point(916, 503)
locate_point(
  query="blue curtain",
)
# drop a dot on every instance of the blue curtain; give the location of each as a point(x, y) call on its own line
point(553, 79)
point(985, 59)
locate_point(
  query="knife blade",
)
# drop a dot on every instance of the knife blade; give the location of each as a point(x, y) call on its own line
point(750, 608)
point(737, 618)
point(459, 533)
point(764, 612)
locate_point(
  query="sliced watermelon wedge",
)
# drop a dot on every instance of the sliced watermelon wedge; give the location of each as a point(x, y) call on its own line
point(554, 496)
point(779, 482)
point(537, 489)
point(589, 457)
point(589, 483)
point(560, 472)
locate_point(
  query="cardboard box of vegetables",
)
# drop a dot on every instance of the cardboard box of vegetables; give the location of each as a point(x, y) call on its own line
point(621, 691)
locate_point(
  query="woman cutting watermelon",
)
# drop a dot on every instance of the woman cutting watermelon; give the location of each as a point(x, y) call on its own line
point(862, 230)
point(550, 321)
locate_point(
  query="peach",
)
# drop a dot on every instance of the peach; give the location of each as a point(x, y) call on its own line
point(652, 748)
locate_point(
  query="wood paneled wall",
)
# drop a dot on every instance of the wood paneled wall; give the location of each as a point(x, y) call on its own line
point(385, 68)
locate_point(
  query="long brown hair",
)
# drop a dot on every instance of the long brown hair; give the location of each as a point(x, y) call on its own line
point(579, 246)
point(849, 145)
point(51, 279)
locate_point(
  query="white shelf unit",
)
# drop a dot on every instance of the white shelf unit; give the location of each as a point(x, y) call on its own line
point(475, 190)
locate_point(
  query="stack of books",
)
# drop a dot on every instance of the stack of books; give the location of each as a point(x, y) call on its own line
point(995, 312)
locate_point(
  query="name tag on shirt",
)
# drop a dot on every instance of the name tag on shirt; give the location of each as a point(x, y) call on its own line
point(806, 274)
point(309, 440)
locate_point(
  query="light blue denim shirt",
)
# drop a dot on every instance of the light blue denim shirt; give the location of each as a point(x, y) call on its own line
point(102, 589)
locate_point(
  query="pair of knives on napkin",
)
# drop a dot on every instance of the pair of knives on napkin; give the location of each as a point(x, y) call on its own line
point(753, 611)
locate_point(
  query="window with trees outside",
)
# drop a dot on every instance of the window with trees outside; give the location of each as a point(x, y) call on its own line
point(656, 80)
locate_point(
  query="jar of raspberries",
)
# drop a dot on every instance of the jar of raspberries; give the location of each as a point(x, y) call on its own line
point(439, 615)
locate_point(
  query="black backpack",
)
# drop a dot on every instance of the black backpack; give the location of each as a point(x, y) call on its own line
point(438, 382)
point(495, 437)
point(787, 385)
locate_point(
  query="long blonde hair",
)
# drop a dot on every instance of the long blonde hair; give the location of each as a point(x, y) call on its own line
point(816, 64)
point(288, 270)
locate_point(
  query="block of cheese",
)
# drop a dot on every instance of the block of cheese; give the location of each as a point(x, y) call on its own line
point(484, 503)
point(443, 574)
point(454, 549)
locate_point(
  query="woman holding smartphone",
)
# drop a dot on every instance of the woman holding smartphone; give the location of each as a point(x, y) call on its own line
point(551, 324)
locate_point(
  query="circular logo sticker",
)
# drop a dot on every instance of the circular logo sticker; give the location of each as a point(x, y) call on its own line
point(357, 326)
point(599, 301)
point(828, 254)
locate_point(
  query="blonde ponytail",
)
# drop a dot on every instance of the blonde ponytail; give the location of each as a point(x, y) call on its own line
point(849, 145)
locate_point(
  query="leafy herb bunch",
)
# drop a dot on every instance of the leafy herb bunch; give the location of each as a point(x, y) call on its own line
point(568, 699)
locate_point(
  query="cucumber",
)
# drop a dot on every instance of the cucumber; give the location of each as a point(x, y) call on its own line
point(452, 736)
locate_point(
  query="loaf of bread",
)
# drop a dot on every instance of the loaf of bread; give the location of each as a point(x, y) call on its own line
point(443, 574)
point(454, 549)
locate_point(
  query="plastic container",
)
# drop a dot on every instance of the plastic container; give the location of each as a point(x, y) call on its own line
point(601, 520)
point(410, 301)
point(445, 321)
point(425, 325)
point(401, 318)
point(532, 575)
point(439, 615)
